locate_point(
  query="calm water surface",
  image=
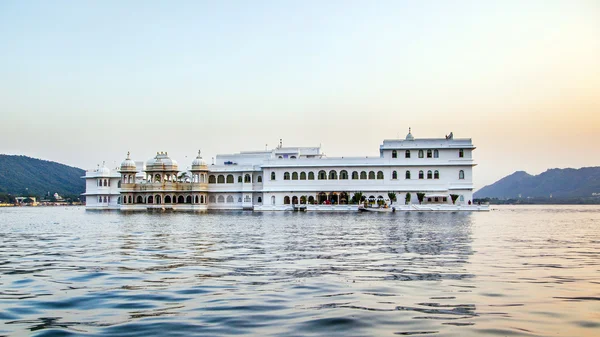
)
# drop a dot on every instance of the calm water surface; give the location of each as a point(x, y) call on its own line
point(515, 271)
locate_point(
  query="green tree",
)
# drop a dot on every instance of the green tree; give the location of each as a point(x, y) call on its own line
point(356, 198)
point(420, 196)
point(454, 197)
point(407, 198)
point(392, 196)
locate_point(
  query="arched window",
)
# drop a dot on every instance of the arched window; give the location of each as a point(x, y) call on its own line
point(379, 175)
point(140, 199)
point(461, 174)
point(311, 200)
point(311, 176)
point(394, 154)
point(407, 154)
point(167, 199)
point(332, 175)
point(371, 175)
point(239, 179)
point(259, 200)
point(436, 154)
point(429, 174)
point(429, 154)
point(294, 175)
point(150, 200)
point(286, 176)
point(157, 178)
point(105, 182)
point(124, 200)
point(272, 200)
point(230, 179)
point(407, 175)
point(286, 200)
point(420, 153)
point(158, 199)
point(394, 175)
point(363, 175)
point(188, 200)
point(343, 174)
point(322, 175)
point(196, 200)
point(421, 175)
point(240, 199)
point(220, 179)
point(354, 175)
point(211, 199)
point(461, 153)
point(302, 175)
point(119, 184)
point(272, 175)
point(461, 198)
point(292, 157)
point(229, 199)
point(211, 179)
point(436, 174)
point(259, 179)
point(247, 178)
point(294, 200)
point(180, 199)
point(220, 199)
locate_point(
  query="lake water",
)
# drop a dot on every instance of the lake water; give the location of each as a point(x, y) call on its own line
point(514, 271)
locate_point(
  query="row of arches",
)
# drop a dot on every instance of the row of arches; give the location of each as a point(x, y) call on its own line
point(103, 199)
point(167, 199)
point(229, 179)
point(103, 182)
point(331, 175)
point(229, 199)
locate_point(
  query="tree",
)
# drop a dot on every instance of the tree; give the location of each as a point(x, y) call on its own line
point(454, 197)
point(392, 197)
point(303, 199)
point(407, 198)
point(182, 176)
point(420, 196)
point(356, 198)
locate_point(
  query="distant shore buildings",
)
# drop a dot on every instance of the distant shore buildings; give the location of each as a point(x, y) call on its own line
point(437, 170)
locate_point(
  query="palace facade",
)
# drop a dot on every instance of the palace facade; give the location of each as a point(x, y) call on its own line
point(288, 178)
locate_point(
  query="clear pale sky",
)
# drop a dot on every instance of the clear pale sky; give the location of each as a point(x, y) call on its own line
point(83, 82)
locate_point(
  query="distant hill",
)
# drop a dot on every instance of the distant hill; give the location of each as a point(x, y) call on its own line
point(560, 183)
point(21, 175)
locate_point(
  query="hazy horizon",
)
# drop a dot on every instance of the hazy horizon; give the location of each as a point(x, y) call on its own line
point(86, 82)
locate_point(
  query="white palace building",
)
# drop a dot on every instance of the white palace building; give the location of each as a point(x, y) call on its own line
point(292, 178)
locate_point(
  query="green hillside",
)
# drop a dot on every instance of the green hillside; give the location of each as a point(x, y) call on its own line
point(21, 175)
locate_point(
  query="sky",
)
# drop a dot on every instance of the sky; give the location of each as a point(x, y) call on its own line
point(82, 82)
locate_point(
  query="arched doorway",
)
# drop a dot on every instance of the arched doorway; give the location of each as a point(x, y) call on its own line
point(322, 197)
point(158, 199)
point(167, 199)
point(333, 198)
point(140, 199)
point(188, 200)
point(286, 200)
point(343, 198)
point(294, 200)
point(181, 200)
point(150, 199)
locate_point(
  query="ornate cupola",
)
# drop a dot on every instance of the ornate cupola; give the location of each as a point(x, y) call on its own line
point(199, 169)
point(128, 165)
point(409, 136)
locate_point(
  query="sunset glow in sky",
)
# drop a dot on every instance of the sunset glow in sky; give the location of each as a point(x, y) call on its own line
point(86, 81)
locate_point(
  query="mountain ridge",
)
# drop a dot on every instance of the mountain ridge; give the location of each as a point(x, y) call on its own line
point(555, 183)
point(23, 175)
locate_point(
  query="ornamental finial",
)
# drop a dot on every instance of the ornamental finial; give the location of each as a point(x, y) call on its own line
point(128, 155)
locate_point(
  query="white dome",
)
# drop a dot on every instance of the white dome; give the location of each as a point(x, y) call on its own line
point(161, 162)
point(409, 136)
point(103, 170)
point(128, 164)
point(199, 161)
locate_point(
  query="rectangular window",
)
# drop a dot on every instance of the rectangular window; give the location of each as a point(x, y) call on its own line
point(461, 153)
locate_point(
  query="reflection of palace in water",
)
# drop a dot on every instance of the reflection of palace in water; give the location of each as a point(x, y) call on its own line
point(290, 177)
